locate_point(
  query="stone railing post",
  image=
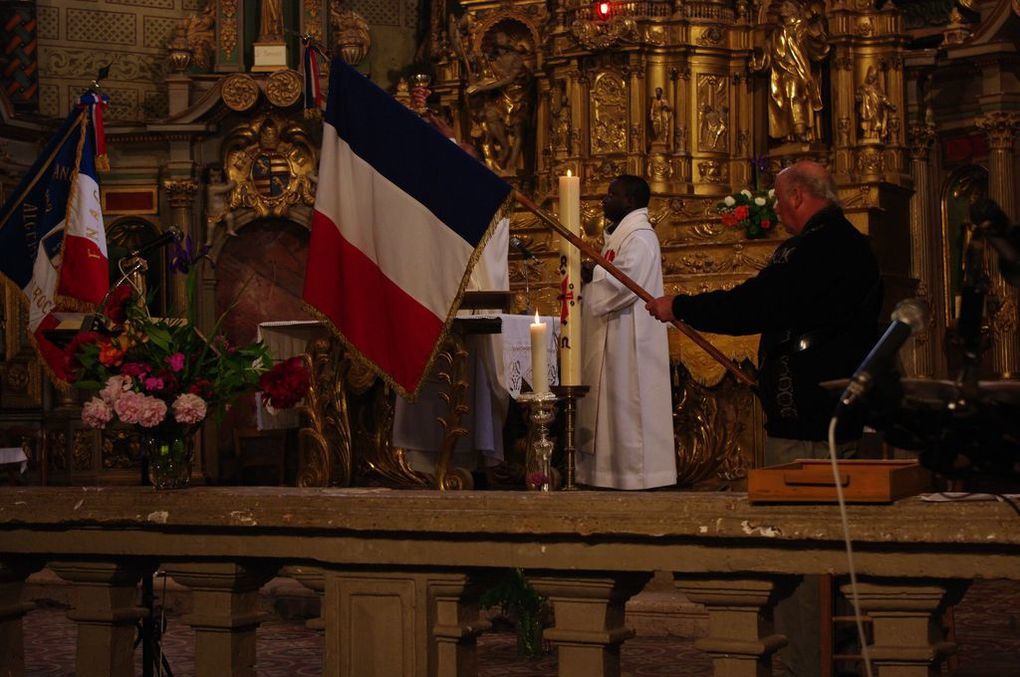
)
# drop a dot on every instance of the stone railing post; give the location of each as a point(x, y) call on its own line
point(589, 611)
point(740, 637)
point(404, 624)
point(906, 621)
point(106, 611)
point(225, 615)
point(12, 609)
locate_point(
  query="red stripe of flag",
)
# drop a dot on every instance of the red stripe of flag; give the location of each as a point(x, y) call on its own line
point(364, 318)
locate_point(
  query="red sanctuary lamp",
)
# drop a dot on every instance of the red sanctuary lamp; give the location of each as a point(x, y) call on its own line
point(603, 9)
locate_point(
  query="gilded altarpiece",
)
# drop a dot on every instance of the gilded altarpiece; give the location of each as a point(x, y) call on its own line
point(702, 98)
point(693, 96)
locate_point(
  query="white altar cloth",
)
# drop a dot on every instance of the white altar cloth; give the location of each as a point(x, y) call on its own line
point(14, 455)
point(500, 365)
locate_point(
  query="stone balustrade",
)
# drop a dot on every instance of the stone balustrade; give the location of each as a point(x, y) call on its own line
point(401, 571)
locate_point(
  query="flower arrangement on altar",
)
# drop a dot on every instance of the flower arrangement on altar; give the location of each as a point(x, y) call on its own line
point(754, 212)
point(166, 377)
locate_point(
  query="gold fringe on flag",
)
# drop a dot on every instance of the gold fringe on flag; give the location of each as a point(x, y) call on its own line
point(102, 163)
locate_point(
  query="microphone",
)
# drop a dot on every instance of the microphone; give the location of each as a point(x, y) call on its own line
point(909, 316)
point(172, 234)
point(516, 243)
point(994, 226)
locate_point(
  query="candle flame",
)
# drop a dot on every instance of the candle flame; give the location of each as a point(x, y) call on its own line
point(537, 321)
point(568, 173)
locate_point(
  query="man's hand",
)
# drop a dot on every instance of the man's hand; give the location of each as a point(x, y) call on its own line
point(587, 270)
point(661, 308)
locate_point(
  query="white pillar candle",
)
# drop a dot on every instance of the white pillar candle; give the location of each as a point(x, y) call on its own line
point(539, 361)
point(570, 283)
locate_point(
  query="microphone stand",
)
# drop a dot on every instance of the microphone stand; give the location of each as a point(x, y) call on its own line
point(137, 264)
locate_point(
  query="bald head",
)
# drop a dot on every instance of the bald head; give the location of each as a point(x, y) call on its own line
point(802, 190)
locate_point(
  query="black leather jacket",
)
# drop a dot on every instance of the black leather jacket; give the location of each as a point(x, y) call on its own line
point(816, 306)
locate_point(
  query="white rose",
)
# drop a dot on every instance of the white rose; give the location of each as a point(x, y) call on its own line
point(729, 201)
point(760, 201)
point(745, 193)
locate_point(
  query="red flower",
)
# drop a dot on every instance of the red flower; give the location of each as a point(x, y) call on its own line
point(741, 212)
point(116, 307)
point(766, 224)
point(285, 384)
point(201, 387)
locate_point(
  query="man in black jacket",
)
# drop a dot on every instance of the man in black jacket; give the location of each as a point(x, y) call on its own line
point(815, 304)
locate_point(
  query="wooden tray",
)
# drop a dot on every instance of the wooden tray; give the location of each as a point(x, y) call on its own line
point(811, 481)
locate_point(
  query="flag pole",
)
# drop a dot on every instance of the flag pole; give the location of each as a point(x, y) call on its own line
point(630, 284)
point(42, 170)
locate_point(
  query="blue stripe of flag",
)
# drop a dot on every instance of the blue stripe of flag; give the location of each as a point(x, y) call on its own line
point(28, 224)
point(413, 155)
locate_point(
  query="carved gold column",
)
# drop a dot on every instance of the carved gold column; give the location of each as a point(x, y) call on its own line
point(923, 355)
point(1000, 127)
point(181, 196)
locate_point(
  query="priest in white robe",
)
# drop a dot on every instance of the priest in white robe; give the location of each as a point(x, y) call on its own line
point(625, 423)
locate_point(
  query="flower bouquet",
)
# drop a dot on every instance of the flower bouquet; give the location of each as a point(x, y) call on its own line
point(754, 212)
point(166, 377)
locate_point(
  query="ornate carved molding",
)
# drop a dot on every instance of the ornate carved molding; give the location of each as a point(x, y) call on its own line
point(283, 88)
point(239, 92)
point(922, 136)
point(1000, 127)
point(180, 192)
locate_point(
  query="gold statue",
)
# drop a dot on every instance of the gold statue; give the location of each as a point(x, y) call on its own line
point(661, 114)
point(873, 107)
point(500, 104)
point(271, 21)
point(200, 36)
point(794, 94)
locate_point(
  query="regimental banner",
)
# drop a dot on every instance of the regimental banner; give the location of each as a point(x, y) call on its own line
point(52, 236)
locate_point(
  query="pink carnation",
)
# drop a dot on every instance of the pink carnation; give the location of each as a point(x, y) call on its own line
point(154, 384)
point(176, 361)
point(189, 408)
point(96, 413)
point(128, 406)
point(153, 412)
point(116, 387)
point(146, 411)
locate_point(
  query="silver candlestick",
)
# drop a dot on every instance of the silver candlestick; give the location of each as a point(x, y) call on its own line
point(542, 412)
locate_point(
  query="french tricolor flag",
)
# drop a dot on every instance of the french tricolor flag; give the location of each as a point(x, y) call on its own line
point(401, 214)
point(52, 237)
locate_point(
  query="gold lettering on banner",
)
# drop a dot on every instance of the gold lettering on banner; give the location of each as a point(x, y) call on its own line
point(62, 173)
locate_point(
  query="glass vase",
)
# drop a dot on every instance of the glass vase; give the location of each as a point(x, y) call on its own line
point(170, 455)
